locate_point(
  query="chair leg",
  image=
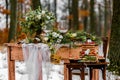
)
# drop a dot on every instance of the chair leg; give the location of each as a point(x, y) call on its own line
point(82, 74)
point(70, 74)
point(104, 73)
point(65, 73)
point(91, 72)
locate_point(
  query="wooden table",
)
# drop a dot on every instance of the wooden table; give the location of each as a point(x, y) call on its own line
point(72, 66)
point(101, 66)
point(14, 53)
point(81, 66)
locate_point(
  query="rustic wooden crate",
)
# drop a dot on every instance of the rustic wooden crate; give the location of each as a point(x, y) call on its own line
point(88, 46)
point(16, 53)
point(67, 52)
point(92, 47)
point(64, 52)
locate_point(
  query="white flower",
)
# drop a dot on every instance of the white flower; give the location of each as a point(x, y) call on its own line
point(54, 34)
point(38, 17)
point(26, 18)
point(37, 39)
point(43, 12)
point(46, 22)
point(61, 37)
point(73, 35)
point(57, 35)
point(46, 38)
point(58, 40)
point(48, 17)
point(89, 40)
point(47, 34)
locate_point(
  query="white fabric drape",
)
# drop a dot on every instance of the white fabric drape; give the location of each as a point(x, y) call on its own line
point(37, 59)
point(100, 49)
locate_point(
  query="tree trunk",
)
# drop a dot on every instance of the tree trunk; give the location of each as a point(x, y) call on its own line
point(70, 13)
point(106, 17)
point(48, 3)
point(36, 4)
point(100, 21)
point(75, 23)
point(13, 20)
point(110, 16)
point(6, 14)
point(85, 18)
point(55, 8)
point(114, 49)
point(92, 17)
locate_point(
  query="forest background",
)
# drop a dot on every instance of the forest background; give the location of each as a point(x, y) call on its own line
point(99, 17)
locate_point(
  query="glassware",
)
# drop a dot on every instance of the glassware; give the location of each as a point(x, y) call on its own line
point(48, 28)
point(47, 31)
point(63, 26)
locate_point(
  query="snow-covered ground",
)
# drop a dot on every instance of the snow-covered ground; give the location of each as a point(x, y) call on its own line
point(56, 72)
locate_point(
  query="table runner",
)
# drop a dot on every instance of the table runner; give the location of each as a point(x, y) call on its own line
point(37, 59)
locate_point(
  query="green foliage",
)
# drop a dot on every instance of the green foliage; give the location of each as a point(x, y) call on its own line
point(80, 36)
point(114, 68)
point(114, 48)
point(36, 20)
point(55, 37)
point(89, 58)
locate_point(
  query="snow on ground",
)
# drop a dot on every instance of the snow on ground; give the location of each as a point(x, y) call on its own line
point(56, 72)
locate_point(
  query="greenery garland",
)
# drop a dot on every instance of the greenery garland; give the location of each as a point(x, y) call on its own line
point(55, 37)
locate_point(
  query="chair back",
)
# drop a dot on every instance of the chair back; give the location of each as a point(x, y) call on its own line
point(105, 45)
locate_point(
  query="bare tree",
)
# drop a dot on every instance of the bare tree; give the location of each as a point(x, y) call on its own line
point(6, 1)
point(106, 17)
point(36, 4)
point(55, 8)
point(84, 7)
point(100, 20)
point(75, 22)
point(92, 17)
point(13, 20)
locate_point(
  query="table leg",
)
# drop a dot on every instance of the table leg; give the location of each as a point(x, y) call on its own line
point(11, 66)
point(70, 73)
point(96, 74)
point(82, 74)
point(91, 72)
point(65, 73)
point(104, 73)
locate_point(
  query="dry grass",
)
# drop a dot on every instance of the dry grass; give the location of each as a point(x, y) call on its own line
point(3, 49)
point(4, 36)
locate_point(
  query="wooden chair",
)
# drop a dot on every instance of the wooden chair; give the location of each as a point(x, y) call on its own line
point(96, 72)
point(105, 44)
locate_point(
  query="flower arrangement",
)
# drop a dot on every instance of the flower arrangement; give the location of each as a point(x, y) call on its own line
point(37, 20)
point(52, 38)
point(80, 36)
point(55, 37)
